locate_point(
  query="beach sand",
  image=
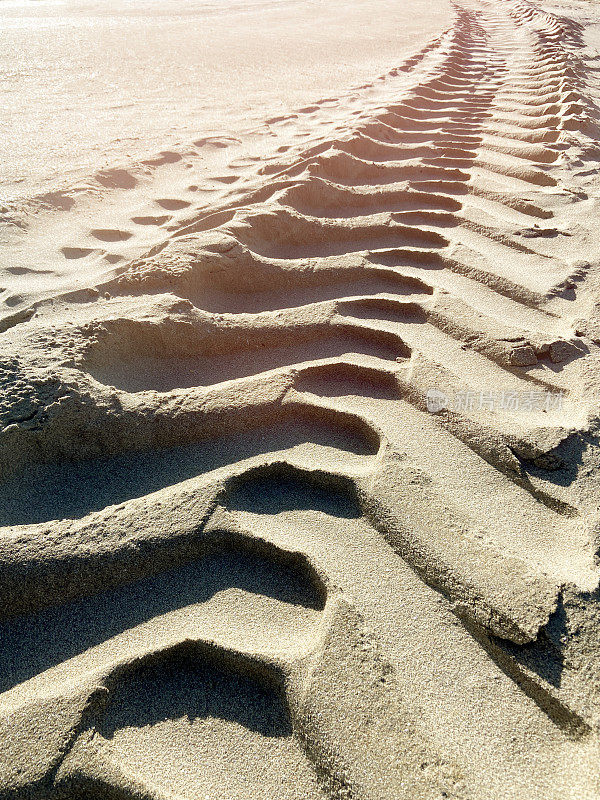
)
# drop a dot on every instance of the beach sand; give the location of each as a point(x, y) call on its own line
point(300, 420)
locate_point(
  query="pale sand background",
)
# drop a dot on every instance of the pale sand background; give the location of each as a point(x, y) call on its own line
point(96, 86)
point(90, 84)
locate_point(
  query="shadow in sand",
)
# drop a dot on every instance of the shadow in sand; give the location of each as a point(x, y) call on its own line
point(30, 644)
point(72, 489)
point(182, 688)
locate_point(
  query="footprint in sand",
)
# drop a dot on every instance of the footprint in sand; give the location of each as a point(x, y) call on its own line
point(225, 178)
point(152, 220)
point(110, 235)
point(72, 253)
point(165, 157)
point(27, 271)
point(216, 142)
point(172, 204)
point(113, 258)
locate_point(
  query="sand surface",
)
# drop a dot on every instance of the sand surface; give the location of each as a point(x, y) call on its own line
point(299, 465)
point(89, 83)
point(112, 95)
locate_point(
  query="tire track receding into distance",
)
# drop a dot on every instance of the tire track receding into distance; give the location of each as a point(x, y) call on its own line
point(273, 553)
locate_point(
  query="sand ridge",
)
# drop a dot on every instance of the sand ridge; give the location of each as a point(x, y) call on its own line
point(244, 555)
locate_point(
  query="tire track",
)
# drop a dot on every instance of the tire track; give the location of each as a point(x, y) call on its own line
point(263, 375)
